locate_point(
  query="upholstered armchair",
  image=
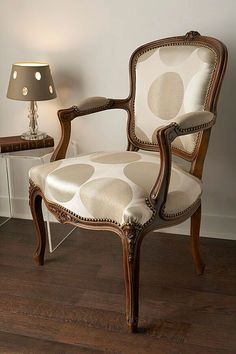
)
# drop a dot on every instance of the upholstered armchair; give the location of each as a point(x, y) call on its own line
point(174, 87)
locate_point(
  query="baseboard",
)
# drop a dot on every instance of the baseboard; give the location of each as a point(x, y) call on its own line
point(214, 226)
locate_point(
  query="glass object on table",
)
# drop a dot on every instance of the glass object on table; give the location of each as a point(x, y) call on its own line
point(5, 202)
point(42, 156)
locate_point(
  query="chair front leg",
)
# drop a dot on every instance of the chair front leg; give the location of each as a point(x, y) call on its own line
point(35, 200)
point(195, 230)
point(131, 260)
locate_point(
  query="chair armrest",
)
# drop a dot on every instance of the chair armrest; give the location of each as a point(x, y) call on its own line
point(193, 122)
point(86, 107)
point(92, 105)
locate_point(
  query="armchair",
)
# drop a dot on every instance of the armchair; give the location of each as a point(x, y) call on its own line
point(174, 87)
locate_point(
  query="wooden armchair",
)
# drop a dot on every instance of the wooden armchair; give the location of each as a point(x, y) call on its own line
point(174, 87)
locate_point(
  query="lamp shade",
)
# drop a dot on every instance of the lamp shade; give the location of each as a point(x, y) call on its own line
point(31, 81)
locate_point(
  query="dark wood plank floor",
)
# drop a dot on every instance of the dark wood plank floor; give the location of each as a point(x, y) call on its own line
point(75, 303)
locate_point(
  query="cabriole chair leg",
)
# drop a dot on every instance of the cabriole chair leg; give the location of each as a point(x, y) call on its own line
point(195, 230)
point(131, 260)
point(36, 210)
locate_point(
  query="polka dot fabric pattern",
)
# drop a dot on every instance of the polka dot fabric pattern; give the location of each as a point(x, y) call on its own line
point(170, 81)
point(113, 185)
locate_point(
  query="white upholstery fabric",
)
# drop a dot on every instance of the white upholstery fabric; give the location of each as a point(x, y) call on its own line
point(171, 81)
point(113, 185)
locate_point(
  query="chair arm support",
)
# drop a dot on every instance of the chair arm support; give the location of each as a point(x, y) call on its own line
point(86, 107)
point(159, 191)
point(185, 124)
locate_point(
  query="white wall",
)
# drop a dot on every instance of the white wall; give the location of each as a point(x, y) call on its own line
point(88, 44)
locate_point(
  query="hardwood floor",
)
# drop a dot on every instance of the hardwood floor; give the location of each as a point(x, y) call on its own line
point(75, 302)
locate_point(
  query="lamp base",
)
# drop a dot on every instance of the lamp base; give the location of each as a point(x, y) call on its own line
point(33, 133)
point(38, 136)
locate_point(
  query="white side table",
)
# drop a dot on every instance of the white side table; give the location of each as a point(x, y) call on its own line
point(41, 155)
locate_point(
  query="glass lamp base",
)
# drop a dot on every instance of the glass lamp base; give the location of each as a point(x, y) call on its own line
point(37, 136)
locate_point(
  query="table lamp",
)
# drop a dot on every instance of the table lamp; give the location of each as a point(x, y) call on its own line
point(31, 81)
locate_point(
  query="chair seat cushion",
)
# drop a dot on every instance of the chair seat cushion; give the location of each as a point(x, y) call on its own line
point(113, 185)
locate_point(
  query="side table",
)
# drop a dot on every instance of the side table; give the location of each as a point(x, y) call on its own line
point(41, 155)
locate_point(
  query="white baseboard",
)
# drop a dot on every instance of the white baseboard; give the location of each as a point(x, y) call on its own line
point(214, 226)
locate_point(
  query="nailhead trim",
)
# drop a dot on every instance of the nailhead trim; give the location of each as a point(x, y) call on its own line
point(196, 128)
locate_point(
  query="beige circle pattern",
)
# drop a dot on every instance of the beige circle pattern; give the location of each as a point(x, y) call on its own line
point(165, 95)
point(137, 173)
point(116, 158)
point(91, 186)
point(173, 80)
point(64, 182)
point(116, 195)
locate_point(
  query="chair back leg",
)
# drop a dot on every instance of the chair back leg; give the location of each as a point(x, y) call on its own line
point(195, 230)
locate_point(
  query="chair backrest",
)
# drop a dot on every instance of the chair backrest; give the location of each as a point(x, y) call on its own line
point(170, 77)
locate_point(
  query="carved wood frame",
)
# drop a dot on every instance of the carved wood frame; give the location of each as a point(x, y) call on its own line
point(132, 234)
